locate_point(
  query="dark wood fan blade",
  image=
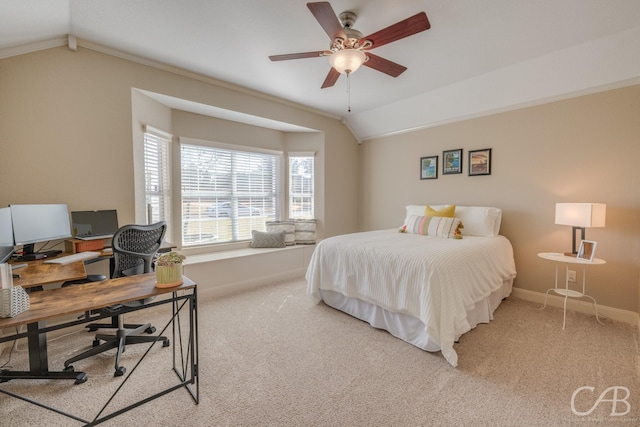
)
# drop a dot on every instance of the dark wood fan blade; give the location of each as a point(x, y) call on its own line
point(384, 65)
point(326, 17)
point(412, 25)
point(296, 55)
point(331, 79)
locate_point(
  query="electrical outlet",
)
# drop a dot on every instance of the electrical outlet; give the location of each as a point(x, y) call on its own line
point(571, 275)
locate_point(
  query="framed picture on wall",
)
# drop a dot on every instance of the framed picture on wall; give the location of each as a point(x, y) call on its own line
point(587, 250)
point(451, 162)
point(480, 162)
point(429, 167)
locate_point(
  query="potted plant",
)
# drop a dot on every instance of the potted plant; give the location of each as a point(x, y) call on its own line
point(169, 269)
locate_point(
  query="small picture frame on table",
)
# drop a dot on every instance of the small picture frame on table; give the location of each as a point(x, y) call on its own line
point(429, 167)
point(587, 250)
point(451, 162)
point(480, 162)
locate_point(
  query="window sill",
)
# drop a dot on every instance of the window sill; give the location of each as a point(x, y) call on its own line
point(237, 253)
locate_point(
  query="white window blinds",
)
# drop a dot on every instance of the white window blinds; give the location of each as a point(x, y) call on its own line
point(226, 193)
point(301, 186)
point(157, 177)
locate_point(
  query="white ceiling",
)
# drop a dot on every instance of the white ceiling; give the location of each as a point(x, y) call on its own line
point(478, 57)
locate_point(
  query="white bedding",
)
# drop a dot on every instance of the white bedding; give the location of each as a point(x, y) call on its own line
point(433, 279)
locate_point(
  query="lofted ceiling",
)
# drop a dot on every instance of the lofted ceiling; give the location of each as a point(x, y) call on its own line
point(479, 57)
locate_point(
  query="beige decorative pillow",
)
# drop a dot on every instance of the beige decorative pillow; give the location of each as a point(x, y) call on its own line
point(268, 239)
point(305, 231)
point(289, 228)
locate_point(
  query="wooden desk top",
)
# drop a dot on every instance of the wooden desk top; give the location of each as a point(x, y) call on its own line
point(60, 302)
point(38, 273)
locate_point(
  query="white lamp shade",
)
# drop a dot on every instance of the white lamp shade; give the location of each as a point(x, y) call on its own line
point(347, 60)
point(581, 214)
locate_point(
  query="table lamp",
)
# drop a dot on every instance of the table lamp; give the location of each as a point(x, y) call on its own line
point(580, 216)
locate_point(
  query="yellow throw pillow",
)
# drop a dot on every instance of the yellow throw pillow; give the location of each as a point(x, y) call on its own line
point(448, 212)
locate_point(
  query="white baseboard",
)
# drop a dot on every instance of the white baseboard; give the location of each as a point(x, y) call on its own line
point(235, 287)
point(581, 306)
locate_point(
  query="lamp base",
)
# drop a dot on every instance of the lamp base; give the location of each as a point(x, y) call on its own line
point(574, 243)
point(571, 254)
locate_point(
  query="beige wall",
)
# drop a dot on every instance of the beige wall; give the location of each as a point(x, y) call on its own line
point(579, 150)
point(67, 120)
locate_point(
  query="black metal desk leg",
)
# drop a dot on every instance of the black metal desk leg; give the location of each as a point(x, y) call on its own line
point(38, 361)
point(37, 342)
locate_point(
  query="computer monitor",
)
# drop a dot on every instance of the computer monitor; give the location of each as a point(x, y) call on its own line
point(6, 235)
point(39, 223)
point(94, 224)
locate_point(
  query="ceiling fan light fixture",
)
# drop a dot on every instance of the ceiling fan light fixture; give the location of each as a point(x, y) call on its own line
point(347, 61)
point(347, 46)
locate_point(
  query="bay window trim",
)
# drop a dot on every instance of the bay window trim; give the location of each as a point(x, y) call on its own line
point(226, 146)
point(301, 153)
point(157, 132)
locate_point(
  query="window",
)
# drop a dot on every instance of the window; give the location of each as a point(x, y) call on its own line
point(226, 193)
point(157, 176)
point(301, 185)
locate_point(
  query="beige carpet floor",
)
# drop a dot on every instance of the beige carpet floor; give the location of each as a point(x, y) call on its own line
point(270, 357)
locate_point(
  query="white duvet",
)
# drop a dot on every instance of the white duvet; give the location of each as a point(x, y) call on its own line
point(433, 279)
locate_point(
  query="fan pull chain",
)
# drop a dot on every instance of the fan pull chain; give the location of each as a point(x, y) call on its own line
point(348, 92)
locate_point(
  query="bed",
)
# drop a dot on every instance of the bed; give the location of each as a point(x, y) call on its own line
point(423, 287)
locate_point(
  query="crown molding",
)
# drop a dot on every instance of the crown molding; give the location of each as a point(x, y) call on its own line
point(195, 76)
point(8, 52)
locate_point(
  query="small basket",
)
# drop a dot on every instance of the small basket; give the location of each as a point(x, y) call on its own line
point(13, 301)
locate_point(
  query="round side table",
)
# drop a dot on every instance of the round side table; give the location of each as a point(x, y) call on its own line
point(559, 258)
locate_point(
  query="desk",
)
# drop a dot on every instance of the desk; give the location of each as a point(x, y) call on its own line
point(37, 273)
point(88, 297)
point(566, 292)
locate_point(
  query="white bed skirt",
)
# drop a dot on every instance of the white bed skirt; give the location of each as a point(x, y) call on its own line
point(409, 328)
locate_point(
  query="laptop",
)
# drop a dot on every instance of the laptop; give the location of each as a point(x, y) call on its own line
point(94, 225)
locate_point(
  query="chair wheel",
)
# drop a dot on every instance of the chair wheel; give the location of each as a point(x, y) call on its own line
point(68, 368)
point(82, 378)
point(120, 370)
point(165, 343)
point(150, 329)
point(96, 342)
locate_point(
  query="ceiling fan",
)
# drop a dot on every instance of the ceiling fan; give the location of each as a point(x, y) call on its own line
point(349, 49)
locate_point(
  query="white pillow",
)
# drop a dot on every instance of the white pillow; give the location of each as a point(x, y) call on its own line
point(477, 220)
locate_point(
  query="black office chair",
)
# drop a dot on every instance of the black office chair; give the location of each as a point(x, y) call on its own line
point(134, 250)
